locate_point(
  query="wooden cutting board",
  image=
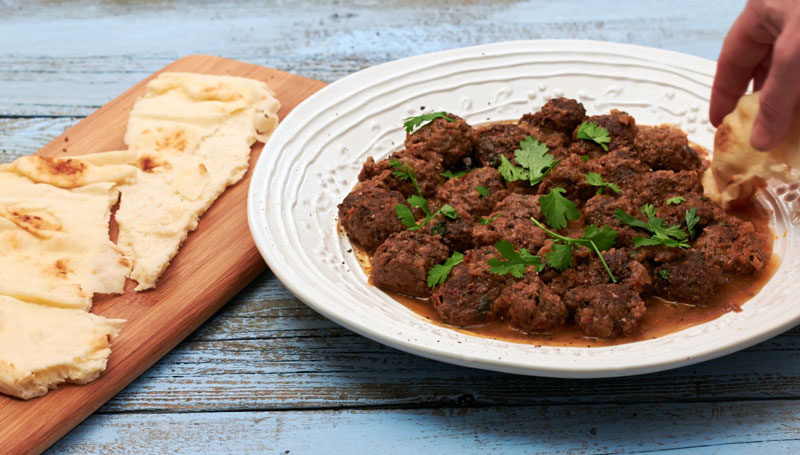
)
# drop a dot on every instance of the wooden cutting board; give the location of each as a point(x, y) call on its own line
point(216, 262)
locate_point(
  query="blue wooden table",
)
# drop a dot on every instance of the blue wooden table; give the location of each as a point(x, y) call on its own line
point(267, 374)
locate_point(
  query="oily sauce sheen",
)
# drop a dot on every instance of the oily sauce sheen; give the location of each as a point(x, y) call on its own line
point(625, 183)
point(662, 318)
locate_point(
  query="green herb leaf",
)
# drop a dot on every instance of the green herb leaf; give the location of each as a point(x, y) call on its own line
point(454, 175)
point(515, 262)
point(662, 234)
point(691, 221)
point(485, 221)
point(482, 190)
point(676, 200)
point(448, 211)
point(439, 272)
point(510, 172)
point(585, 158)
point(412, 123)
point(590, 131)
point(405, 215)
point(664, 274)
point(536, 158)
point(402, 171)
point(560, 255)
point(595, 179)
point(557, 208)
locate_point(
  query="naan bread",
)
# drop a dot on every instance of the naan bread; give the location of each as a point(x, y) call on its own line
point(192, 135)
point(54, 241)
point(737, 169)
point(43, 346)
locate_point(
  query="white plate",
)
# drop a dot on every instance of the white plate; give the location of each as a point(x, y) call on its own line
point(312, 160)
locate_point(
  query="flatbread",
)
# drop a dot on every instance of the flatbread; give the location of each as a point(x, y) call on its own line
point(737, 169)
point(54, 241)
point(43, 346)
point(192, 135)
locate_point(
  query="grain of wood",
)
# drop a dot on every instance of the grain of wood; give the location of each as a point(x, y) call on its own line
point(701, 428)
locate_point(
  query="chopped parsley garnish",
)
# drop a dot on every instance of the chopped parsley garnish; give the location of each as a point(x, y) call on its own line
point(405, 172)
point(591, 131)
point(454, 175)
point(534, 160)
point(515, 262)
point(585, 158)
point(560, 255)
point(439, 272)
point(412, 123)
point(482, 190)
point(595, 179)
point(664, 274)
point(557, 208)
point(677, 200)
point(691, 221)
point(485, 221)
point(661, 234)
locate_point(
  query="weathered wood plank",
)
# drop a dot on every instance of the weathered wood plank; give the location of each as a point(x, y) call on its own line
point(266, 350)
point(70, 58)
point(25, 136)
point(701, 428)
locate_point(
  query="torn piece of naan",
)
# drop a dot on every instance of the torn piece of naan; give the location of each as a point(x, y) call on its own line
point(737, 169)
point(55, 244)
point(42, 346)
point(192, 134)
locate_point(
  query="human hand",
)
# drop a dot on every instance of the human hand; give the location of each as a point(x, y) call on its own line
point(763, 45)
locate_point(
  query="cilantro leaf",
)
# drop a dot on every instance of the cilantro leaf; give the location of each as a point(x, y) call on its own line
point(585, 158)
point(591, 131)
point(661, 233)
point(664, 274)
point(412, 123)
point(691, 221)
point(439, 272)
point(515, 262)
point(401, 171)
point(510, 172)
point(405, 215)
point(595, 179)
point(482, 190)
point(557, 208)
point(448, 211)
point(604, 237)
point(560, 255)
point(676, 200)
point(454, 175)
point(536, 158)
point(485, 221)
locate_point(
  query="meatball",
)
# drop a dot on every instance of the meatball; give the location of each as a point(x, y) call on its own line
point(656, 187)
point(427, 172)
point(531, 306)
point(454, 140)
point(455, 233)
point(589, 271)
point(402, 262)
point(621, 128)
point(607, 310)
point(465, 191)
point(734, 246)
point(619, 168)
point(666, 147)
point(368, 215)
point(511, 221)
point(600, 210)
point(559, 114)
point(496, 140)
point(557, 142)
point(571, 175)
point(707, 211)
point(469, 294)
point(691, 280)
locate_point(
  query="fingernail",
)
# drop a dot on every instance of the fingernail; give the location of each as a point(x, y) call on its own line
point(760, 138)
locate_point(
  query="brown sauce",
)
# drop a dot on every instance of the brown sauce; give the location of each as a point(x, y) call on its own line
point(662, 317)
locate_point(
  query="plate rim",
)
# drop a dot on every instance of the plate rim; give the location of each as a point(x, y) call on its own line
point(259, 188)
